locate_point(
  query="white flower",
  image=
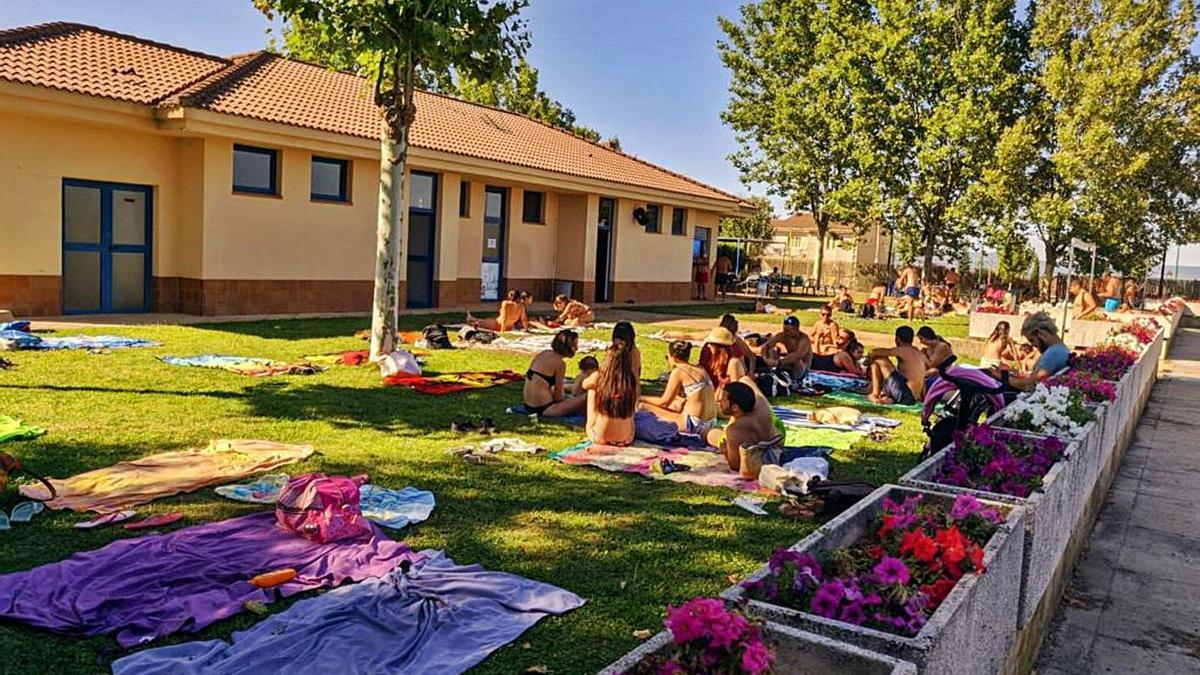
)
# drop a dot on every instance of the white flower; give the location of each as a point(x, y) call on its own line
point(1043, 411)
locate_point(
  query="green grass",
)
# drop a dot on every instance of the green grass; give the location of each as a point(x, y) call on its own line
point(808, 311)
point(628, 545)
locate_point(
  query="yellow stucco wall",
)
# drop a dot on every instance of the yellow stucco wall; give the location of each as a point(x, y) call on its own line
point(645, 256)
point(531, 246)
point(571, 250)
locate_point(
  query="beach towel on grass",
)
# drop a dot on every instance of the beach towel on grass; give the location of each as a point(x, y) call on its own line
point(354, 357)
point(23, 340)
point(569, 420)
point(707, 468)
point(148, 587)
point(834, 381)
point(117, 487)
point(13, 429)
point(835, 439)
point(244, 365)
point(439, 618)
point(856, 399)
point(450, 383)
point(527, 343)
point(394, 509)
point(794, 417)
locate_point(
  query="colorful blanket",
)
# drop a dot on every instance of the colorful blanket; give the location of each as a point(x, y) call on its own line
point(834, 381)
point(355, 357)
point(532, 343)
point(450, 383)
point(13, 429)
point(22, 340)
point(126, 484)
point(794, 417)
point(244, 365)
point(395, 509)
point(147, 587)
point(707, 468)
point(439, 618)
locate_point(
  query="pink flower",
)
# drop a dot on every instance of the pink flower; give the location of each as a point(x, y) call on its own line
point(756, 658)
point(670, 668)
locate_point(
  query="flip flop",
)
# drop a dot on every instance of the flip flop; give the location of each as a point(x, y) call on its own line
point(4, 521)
point(157, 520)
point(106, 519)
point(25, 511)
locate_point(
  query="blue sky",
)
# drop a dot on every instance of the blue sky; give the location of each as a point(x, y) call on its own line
point(644, 70)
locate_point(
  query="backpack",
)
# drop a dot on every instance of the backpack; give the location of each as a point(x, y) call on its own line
point(772, 383)
point(435, 337)
point(322, 508)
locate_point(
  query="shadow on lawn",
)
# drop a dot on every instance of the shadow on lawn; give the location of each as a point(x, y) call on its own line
point(309, 329)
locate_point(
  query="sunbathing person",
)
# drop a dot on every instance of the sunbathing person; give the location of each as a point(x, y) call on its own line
point(935, 348)
point(741, 348)
point(999, 350)
point(512, 315)
point(587, 366)
point(545, 393)
point(761, 307)
point(844, 301)
point(751, 424)
point(623, 332)
point(699, 412)
point(719, 359)
point(846, 360)
point(789, 349)
point(825, 333)
point(1084, 303)
point(612, 398)
point(902, 382)
point(573, 312)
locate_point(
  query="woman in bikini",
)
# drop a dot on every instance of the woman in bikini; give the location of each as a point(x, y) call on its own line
point(544, 393)
point(573, 312)
point(623, 333)
point(613, 393)
point(935, 348)
point(699, 412)
point(512, 315)
point(999, 349)
point(846, 360)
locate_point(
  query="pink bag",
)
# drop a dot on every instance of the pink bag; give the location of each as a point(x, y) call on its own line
point(322, 508)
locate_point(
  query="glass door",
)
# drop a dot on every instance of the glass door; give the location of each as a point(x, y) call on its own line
point(106, 247)
point(422, 240)
point(604, 245)
point(494, 220)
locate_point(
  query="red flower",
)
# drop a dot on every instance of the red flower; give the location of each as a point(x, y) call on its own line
point(877, 552)
point(919, 544)
point(976, 555)
point(953, 545)
point(887, 527)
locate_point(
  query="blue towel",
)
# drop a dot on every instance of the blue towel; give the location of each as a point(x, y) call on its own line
point(569, 420)
point(20, 339)
point(440, 618)
point(22, 326)
point(834, 381)
point(395, 508)
point(649, 428)
point(25, 340)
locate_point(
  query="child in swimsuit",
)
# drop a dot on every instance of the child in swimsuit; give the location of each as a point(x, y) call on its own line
point(699, 412)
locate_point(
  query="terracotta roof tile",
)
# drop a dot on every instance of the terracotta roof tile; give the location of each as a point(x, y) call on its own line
point(88, 60)
point(268, 87)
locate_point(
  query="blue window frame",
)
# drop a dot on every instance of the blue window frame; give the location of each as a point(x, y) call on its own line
point(679, 221)
point(330, 179)
point(255, 170)
point(652, 223)
point(422, 238)
point(108, 233)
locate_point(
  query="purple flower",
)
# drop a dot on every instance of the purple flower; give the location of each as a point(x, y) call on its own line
point(964, 506)
point(825, 604)
point(782, 557)
point(892, 570)
point(853, 613)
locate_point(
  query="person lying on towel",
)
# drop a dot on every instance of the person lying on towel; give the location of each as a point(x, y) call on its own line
point(846, 360)
point(512, 315)
point(699, 413)
point(545, 379)
point(613, 394)
point(750, 424)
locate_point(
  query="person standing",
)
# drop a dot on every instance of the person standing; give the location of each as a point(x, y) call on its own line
point(701, 277)
point(723, 271)
point(1111, 293)
point(952, 281)
point(910, 281)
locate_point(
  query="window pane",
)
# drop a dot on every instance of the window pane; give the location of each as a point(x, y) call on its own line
point(607, 206)
point(420, 235)
point(652, 223)
point(328, 179)
point(128, 281)
point(129, 217)
point(421, 185)
point(678, 221)
point(532, 208)
point(81, 214)
point(464, 199)
point(494, 206)
point(253, 169)
point(81, 281)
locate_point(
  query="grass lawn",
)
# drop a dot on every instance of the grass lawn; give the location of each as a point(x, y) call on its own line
point(808, 311)
point(628, 545)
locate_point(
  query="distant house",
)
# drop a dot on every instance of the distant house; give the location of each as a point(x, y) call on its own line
point(140, 176)
point(794, 250)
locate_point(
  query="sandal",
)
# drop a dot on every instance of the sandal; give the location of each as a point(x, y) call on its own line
point(462, 426)
point(106, 519)
point(157, 520)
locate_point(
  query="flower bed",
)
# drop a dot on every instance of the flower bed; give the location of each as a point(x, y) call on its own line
point(796, 651)
point(897, 573)
point(1000, 466)
point(1090, 385)
point(1107, 362)
point(1049, 411)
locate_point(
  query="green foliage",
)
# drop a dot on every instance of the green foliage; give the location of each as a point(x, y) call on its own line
point(756, 227)
point(1016, 258)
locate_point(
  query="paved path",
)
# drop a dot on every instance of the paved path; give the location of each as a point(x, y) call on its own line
point(1134, 604)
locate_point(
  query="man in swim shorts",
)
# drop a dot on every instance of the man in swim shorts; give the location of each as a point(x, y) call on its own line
point(904, 382)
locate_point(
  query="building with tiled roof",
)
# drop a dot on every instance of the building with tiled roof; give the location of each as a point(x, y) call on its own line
point(850, 259)
point(148, 177)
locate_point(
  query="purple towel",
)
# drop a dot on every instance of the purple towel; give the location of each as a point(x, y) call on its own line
point(440, 618)
point(652, 429)
point(152, 586)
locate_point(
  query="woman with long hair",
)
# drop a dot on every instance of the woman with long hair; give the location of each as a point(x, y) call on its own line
point(545, 393)
point(999, 348)
point(613, 392)
point(623, 332)
point(512, 315)
point(719, 359)
point(935, 348)
point(699, 412)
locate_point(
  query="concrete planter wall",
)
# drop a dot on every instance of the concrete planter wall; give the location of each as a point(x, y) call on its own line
point(1050, 516)
point(1090, 454)
point(973, 629)
point(796, 652)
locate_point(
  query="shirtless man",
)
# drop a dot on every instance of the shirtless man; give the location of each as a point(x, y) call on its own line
point(721, 271)
point(910, 281)
point(825, 333)
point(796, 354)
point(904, 382)
point(874, 304)
point(952, 280)
point(1084, 303)
point(750, 423)
point(1111, 293)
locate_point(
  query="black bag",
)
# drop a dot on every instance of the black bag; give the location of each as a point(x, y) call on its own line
point(839, 495)
point(774, 383)
point(436, 338)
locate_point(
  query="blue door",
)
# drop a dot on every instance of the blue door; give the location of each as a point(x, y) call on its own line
point(106, 247)
point(422, 238)
point(495, 210)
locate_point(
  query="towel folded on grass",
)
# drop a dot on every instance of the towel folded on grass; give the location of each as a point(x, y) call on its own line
point(13, 429)
point(526, 343)
point(390, 508)
point(244, 365)
point(794, 417)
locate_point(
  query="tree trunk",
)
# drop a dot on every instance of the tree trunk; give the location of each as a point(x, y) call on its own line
point(822, 232)
point(927, 268)
point(1051, 263)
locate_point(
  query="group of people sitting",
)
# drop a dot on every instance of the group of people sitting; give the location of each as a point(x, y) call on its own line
point(1086, 298)
point(514, 314)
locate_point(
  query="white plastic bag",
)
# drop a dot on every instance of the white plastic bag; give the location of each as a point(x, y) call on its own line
point(399, 361)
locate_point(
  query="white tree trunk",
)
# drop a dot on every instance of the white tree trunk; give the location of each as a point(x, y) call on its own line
point(388, 231)
point(819, 263)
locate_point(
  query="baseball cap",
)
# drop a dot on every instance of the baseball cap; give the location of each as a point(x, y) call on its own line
point(791, 321)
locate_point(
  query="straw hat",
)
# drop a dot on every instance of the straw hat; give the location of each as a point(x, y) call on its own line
point(719, 336)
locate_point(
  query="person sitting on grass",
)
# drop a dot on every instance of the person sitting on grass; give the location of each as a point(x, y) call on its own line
point(903, 382)
point(545, 393)
point(623, 333)
point(1041, 332)
point(719, 359)
point(999, 350)
point(512, 315)
point(573, 313)
point(789, 349)
point(1083, 303)
point(750, 423)
point(825, 333)
point(741, 348)
point(699, 412)
point(613, 393)
point(846, 360)
point(844, 301)
point(587, 366)
point(935, 348)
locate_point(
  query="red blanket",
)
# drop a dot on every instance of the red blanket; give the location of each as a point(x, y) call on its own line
point(449, 383)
